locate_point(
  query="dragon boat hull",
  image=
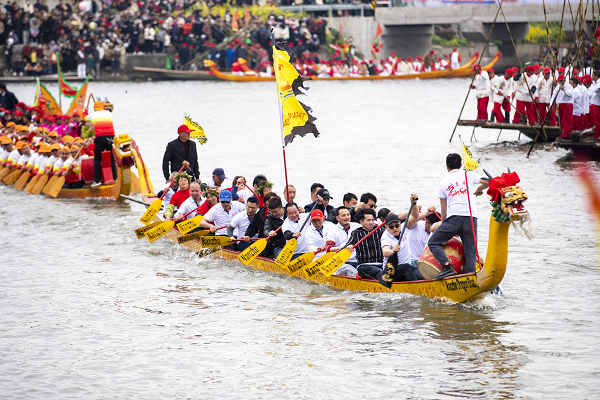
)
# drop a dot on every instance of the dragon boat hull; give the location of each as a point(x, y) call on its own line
point(126, 183)
point(458, 288)
point(465, 70)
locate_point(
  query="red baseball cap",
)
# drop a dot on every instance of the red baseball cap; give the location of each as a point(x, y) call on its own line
point(561, 78)
point(546, 70)
point(316, 214)
point(183, 128)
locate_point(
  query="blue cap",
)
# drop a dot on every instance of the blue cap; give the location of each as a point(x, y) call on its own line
point(220, 173)
point(225, 195)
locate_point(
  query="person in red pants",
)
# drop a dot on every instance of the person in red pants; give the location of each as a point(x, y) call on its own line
point(523, 96)
point(501, 87)
point(482, 86)
point(594, 90)
point(563, 93)
point(544, 93)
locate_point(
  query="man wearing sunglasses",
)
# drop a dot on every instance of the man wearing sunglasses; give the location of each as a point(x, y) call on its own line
point(222, 214)
point(367, 200)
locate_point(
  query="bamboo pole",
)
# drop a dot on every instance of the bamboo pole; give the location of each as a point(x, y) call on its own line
point(473, 79)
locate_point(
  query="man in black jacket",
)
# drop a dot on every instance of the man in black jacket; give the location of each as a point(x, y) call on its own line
point(273, 221)
point(322, 201)
point(179, 151)
point(257, 226)
point(8, 99)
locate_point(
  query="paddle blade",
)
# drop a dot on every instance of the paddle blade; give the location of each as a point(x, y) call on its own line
point(296, 265)
point(159, 230)
point(252, 251)
point(31, 184)
point(151, 212)
point(4, 172)
point(192, 236)
point(141, 232)
point(49, 185)
point(190, 224)
point(215, 241)
point(22, 180)
point(286, 254)
point(13, 176)
point(40, 184)
point(317, 265)
point(335, 262)
point(55, 190)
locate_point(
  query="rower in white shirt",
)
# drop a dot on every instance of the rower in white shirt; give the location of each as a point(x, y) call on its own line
point(291, 228)
point(316, 234)
point(192, 203)
point(340, 232)
point(222, 214)
point(239, 224)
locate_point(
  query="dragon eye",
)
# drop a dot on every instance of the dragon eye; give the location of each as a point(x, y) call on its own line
point(507, 194)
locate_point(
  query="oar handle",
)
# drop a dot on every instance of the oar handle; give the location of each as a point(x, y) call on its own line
point(239, 240)
point(277, 230)
point(253, 192)
point(370, 233)
point(307, 219)
point(412, 204)
point(195, 209)
point(166, 189)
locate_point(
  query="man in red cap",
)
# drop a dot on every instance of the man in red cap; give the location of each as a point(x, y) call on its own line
point(501, 88)
point(482, 85)
point(544, 93)
point(181, 151)
point(563, 93)
point(523, 96)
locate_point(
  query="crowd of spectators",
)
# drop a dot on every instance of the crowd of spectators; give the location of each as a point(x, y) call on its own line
point(90, 36)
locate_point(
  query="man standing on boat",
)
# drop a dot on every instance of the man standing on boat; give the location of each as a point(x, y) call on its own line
point(482, 85)
point(563, 93)
point(501, 87)
point(105, 133)
point(595, 103)
point(523, 96)
point(457, 210)
point(181, 151)
point(544, 92)
point(454, 58)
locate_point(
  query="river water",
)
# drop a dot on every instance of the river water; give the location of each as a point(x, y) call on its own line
point(90, 312)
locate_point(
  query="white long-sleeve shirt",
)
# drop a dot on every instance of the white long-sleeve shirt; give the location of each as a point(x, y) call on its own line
point(289, 225)
point(585, 100)
point(544, 90)
point(563, 96)
point(595, 93)
point(315, 239)
point(482, 84)
point(501, 88)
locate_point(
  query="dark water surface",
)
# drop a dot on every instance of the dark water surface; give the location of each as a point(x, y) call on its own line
point(88, 311)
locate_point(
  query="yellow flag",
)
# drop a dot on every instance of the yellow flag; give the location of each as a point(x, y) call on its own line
point(468, 162)
point(295, 116)
point(198, 132)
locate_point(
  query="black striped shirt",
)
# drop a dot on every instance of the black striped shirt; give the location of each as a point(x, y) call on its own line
point(368, 251)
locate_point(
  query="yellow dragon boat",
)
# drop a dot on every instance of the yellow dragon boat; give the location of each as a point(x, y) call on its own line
point(126, 153)
point(459, 288)
point(251, 76)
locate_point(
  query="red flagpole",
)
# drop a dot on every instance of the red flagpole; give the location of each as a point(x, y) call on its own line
point(287, 195)
point(287, 192)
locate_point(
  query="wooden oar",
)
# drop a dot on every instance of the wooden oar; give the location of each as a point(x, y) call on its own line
point(343, 255)
point(190, 224)
point(192, 236)
point(288, 250)
point(254, 250)
point(218, 241)
point(4, 172)
point(60, 181)
point(387, 278)
point(50, 183)
point(22, 180)
point(31, 184)
point(12, 176)
point(156, 204)
point(141, 232)
point(253, 192)
point(162, 229)
point(40, 184)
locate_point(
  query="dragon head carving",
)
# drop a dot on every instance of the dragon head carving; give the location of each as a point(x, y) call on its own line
point(507, 201)
point(122, 145)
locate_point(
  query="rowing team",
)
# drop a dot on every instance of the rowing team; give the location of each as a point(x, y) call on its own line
point(317, 227)
point(41, 158)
